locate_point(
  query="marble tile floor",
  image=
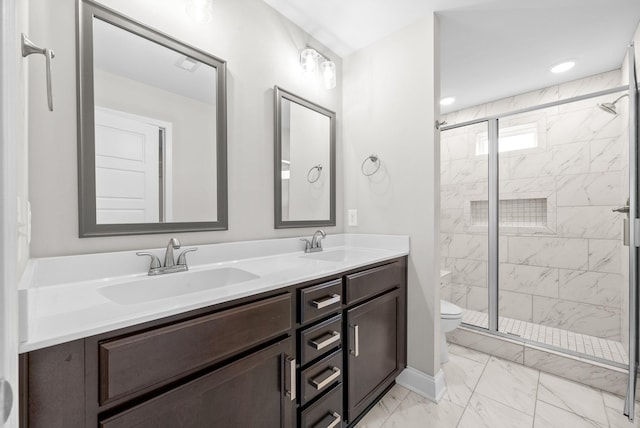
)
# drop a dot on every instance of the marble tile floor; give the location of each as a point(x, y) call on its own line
point(582, 343)
point(487, 392)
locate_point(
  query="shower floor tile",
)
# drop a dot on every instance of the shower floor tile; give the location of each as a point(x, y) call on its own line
point(589, 345)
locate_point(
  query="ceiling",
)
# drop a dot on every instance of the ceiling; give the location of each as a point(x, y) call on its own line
point(128, 55)
point(490, 49)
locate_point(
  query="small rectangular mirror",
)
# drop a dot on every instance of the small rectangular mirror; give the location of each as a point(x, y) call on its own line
point(305, 139)
point(152, 125)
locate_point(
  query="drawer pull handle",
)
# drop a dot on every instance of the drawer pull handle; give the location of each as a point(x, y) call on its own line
point(335, 337)
point(336, 418)
point(319, 304)
point(333, 376)
point(290, 367)
point(356, 340)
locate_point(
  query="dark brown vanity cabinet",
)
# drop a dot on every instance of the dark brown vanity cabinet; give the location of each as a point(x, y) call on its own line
point(374, 349)
point(316, 354)
point(245, 393)
point(375, 333)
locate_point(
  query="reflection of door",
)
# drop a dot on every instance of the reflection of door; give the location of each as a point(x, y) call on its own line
point(127, 169)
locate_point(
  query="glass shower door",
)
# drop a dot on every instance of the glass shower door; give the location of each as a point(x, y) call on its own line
point(464, 219)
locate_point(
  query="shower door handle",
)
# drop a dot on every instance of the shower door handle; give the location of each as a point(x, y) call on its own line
point(625, 231)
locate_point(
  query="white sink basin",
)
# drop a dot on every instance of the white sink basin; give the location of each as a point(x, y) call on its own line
point(337, 255)
point(173, 284)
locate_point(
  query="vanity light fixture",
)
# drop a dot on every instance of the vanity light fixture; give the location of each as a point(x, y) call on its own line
point(329, 74)
point(200, 10)
point(447, 101)
point(309, 59)
point(563, 66)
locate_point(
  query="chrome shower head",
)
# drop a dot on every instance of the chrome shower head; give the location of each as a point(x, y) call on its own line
point(611, 107)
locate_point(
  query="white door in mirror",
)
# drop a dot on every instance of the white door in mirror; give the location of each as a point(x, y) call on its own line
point(127, 162)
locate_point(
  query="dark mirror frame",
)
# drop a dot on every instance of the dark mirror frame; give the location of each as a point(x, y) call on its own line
point(279, 95)
point(86, 12)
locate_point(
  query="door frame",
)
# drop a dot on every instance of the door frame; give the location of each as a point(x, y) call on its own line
point(9, 81)
point(629, 406)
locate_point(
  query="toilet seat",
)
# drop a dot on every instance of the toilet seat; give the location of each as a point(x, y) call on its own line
point(449, 311)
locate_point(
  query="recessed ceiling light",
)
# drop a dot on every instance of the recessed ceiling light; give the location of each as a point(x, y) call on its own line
point(563, 66)
point(188, 64)
point(447, 101)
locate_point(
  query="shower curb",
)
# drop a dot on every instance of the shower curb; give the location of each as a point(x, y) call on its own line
point(587, 372)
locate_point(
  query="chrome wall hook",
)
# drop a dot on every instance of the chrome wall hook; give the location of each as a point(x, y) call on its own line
point(29, 48)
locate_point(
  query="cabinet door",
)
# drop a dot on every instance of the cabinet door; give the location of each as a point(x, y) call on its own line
point(251, 392)
point(374, 359)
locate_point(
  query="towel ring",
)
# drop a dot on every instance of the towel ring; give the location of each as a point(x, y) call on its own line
point(319, 168)
point(376, 161)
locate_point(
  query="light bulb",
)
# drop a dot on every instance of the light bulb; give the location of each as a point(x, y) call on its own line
point(308, 60)
point(447, 101)
point(563, 66)
point(200, 10)
point(329, 74)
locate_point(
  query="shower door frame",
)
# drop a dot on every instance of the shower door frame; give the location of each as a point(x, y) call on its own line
point(634, 241)
point(494, 233)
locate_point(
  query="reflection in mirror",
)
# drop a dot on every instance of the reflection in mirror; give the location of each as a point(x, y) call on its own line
point(153, 137)
point(155, 157)
point(305, 162)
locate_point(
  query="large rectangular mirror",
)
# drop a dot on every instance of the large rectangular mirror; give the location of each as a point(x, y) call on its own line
point(152, 130)
point(305, 162)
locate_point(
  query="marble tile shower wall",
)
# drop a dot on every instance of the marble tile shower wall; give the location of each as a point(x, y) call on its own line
point(566, 274)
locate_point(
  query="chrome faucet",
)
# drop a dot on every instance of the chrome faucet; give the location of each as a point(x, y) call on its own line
point(315, 244)
point(170, 265)
point(173, 244)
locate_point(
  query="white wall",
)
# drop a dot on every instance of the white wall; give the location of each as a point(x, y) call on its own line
point(389, 110)
point(261, 49)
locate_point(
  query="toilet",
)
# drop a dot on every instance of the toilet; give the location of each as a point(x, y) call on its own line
point(450, 319)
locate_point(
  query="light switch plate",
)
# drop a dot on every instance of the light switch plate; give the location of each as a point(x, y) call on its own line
point(352, 217)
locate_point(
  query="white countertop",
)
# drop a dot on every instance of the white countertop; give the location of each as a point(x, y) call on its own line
point(60, 298)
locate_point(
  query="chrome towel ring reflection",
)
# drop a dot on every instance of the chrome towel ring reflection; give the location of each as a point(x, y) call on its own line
point(310, 173)
point(375, 160)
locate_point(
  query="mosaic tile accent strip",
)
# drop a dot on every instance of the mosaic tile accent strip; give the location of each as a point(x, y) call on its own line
point(513, 212)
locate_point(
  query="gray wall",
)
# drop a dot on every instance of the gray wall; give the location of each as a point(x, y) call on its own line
point(261, 48)
point(390, 90)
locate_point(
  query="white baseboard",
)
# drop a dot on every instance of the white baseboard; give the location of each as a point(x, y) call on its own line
point(430, 387)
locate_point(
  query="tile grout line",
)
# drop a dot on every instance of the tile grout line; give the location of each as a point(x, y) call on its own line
point(464, 410)
point(535, 403)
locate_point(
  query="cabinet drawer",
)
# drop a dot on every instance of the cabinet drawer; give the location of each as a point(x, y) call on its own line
point(158, 356)
point(249, 392)
point(319, 339)
point(321, 376)
point(320, 300)
point(373, 281)
point(325, 413)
